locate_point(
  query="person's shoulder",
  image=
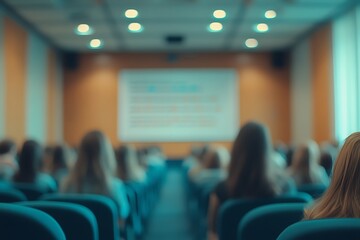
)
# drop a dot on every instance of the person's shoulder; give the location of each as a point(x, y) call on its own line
point(44, 179)
point(117, 184)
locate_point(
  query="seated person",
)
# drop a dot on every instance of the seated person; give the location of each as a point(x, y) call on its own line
point(8, 163)
point(128, 167)
point(341, 200)
point(59, 163)
point(252, 172)
point(94, 172)
point(30, 158)
point(305, 168)
point(214, 167)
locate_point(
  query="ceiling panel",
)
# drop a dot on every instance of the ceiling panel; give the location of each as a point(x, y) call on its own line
point(56, 19)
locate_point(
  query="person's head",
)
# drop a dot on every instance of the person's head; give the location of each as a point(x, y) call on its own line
point(122, 157)
point(127, 163)
point(306, 156)
point(249, 169)
point(211, 159)
point(342, 197)
point(216, 157)
point(59, 158)
point(29, 161)
point(7, 146)
point(95, 165)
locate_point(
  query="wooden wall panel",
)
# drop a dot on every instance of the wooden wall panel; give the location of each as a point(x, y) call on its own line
point(15, 76)
point(51, 98)
point(322, 91)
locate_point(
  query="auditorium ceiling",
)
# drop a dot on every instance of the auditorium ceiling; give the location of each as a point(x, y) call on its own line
point(177, 25)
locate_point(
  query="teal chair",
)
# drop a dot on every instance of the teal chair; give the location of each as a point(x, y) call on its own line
point(232, 211)
point(268, 221)
point(10, 195)
point(19, 223)
point(31, 190)
point(323, 229)
point(104, 209)
point(315, 190)
point(69, 215)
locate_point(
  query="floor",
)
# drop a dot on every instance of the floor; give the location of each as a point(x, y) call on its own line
point(169, 219)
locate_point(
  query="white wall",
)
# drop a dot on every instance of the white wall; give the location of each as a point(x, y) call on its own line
point(346, 50)
point(301, 96)
point(36, 89)
point(2, 77)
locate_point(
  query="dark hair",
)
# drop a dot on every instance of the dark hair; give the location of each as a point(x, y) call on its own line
point(249, 165)
point(6, 146)
point(212, 159)
point(58, 158)
point(29, 161)
point(121, 155)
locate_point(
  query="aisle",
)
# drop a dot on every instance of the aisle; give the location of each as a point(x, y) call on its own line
point(169, 220)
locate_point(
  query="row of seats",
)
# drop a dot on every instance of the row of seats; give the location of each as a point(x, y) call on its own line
point(283, 222)
point(82, 216)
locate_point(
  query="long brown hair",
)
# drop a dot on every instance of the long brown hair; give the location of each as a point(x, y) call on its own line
point(341, 200)
point(95, 166)
point(250, 171)
point(305, 164)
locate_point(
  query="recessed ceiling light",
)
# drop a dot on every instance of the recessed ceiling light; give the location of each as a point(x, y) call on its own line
point(83, 29)
point(270, 14)
point(262, 27)
point(219, 14)
point(215, 27)
point(135, 27)
point(251, 43)
point(131, 13)
point(95, 43)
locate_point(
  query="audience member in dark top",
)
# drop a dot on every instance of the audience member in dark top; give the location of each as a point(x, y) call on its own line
point(252, 172)
point(30, 159)
point(328, 155)
point(128, 167)
point(8, 163)
point(341, 200)
point(305, 168)
point(94, 172)
point(58, 167)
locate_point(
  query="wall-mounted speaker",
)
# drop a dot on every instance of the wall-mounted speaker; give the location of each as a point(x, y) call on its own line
point(279, 59)
point(70, 60)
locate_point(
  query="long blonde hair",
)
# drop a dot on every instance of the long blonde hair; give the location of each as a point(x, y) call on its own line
point(341, 200)
point(94, 168)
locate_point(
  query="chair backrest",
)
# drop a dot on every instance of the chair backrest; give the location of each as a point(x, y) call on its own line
point(69, 215)
point(268, 221)
point(103, 208)
point(232, 211)
point(19, 222)
point(31, 191)
point(323, 229)
point(315, 190)
point(10, 195)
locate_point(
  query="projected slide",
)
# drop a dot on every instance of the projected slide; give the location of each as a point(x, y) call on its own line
point(178, 105)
